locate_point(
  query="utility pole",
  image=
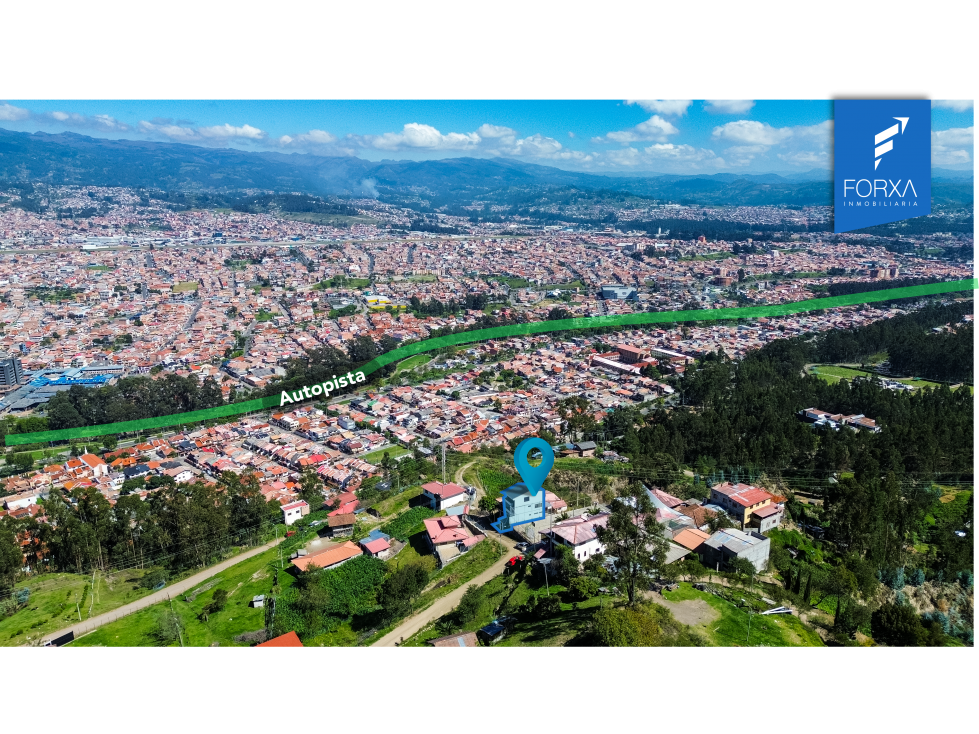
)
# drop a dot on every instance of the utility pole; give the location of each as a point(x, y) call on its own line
point(176, 620)
point(77, 608)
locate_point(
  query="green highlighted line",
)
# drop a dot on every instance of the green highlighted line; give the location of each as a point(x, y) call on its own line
point(502, 332)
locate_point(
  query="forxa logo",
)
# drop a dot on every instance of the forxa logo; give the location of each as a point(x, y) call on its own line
point(890, 132)
point(884, 186)
point(901, 147)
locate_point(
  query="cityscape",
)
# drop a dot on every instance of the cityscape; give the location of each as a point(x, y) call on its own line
point(799, 480)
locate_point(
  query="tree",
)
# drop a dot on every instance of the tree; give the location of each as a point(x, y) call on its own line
point(898, 625)
point(11, 559)
point(311, 488)
point(488, 503)
point(168, 627)
point(742, 567)
point(841, 583)
point(568, 567)
point(634, 538)
point(582, 588)
point(469, 605)
point(109, 443)
point(23, 461)
point(401, 588)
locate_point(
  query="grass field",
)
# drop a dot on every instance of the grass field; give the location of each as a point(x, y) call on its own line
point(417, 361)
point(242, 582)
point(730, 628)
point(398, 503)
point(98, 267)
point(52, 604)
point(185, 286)
point(835, 373)
point(562, 286)
point(313, 218)
point(423, 278)
point(393, 451)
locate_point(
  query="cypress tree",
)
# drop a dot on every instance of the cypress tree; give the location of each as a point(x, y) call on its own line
point(806, 595)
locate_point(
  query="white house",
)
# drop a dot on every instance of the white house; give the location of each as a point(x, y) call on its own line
point(578, 533)
point(442, 496)
point(295, 510)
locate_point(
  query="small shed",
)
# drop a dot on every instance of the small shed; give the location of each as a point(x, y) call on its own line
point(258, 601)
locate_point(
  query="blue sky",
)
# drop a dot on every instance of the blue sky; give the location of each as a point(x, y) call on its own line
point(601, 136)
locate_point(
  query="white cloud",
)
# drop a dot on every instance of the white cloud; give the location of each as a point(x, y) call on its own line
point(952, 146)
point(104, 123)
point(728, 106)
point(655, 128)
point(751, 132)
point(212, 135)
point(227, 132)
point(9, 113)
point(956, 105)
point(417, 135)
point(311, 139)
point(663, 156)
point(663, 106)
point(495, 131)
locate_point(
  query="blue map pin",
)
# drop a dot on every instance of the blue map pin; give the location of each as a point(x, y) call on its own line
point(533, 476)
point(524, 502)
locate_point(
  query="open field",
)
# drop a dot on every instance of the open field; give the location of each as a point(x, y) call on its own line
point(242, 582)
point(417, 361)
point(185, 286)
point(835, 373)
point(393, 451)
point(52, 604)
point(313, 218)
point(730, 626)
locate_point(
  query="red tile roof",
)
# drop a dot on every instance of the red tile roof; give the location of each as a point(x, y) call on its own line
point(289, 639)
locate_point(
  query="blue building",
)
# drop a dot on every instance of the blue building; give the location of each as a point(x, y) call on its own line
point(520, 506)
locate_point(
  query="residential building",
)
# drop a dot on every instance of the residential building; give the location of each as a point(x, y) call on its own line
point(578, 533)
point(717, 551)
point(739, 500)
point(294, 511)
point(329, 558)
point(442, 496)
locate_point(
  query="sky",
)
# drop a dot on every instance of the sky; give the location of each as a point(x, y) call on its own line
point(603, 136)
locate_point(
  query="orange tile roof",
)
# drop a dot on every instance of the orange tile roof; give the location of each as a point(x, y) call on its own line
point(329, 557)
point(289, 639)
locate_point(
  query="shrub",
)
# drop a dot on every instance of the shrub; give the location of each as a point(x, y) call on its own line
point(582, 588)
point(548, 606)
point(154, 578)
point(916, 577)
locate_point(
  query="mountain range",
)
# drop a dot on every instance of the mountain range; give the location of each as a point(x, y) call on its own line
point(70, 158)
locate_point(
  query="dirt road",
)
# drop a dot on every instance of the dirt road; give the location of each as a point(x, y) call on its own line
point(174, 590)
point(448, 602)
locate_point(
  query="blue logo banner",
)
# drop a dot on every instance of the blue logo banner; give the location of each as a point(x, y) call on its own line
point(882, 161)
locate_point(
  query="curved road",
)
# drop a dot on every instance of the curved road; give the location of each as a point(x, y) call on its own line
point(88, 625)
point(447, 603)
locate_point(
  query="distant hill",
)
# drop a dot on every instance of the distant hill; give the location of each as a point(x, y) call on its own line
point(69, 158)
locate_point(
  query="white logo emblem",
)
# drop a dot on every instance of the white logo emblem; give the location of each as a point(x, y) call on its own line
point(887, 135)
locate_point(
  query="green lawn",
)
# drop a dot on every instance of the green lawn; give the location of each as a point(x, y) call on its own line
point(187, 285)
point(397, 503)
point(98, 267)
point(417, 361)
point(375, 457)
point(731, 628)
point(562, 286)
point(835, 373)
point(242, 582)
point(52, 602)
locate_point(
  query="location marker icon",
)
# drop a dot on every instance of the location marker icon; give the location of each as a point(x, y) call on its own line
point(533, 476)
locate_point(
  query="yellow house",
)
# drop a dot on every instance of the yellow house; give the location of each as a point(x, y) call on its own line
point(739, 500)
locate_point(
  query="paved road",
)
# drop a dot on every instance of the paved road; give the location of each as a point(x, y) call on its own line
point(88, 625)
point(447, 603)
